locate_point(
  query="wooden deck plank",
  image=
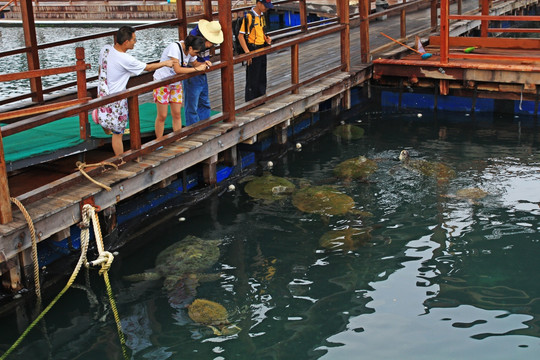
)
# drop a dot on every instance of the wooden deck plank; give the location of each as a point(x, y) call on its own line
point(189, 144)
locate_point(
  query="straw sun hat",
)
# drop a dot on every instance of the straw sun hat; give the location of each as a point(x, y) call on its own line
point(211, 30)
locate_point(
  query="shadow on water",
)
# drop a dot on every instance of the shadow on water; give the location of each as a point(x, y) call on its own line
point(443, 273)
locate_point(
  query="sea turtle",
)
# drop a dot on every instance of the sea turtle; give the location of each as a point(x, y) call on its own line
point(346, 239)
point(213, 315)
point(324, 200)
point(269, 187)
point(184, 260)
point(349, 132)
point(441, 172)
point(469, 194)
point(357, 168)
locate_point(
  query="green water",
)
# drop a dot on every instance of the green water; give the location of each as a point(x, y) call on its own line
point(441, 277)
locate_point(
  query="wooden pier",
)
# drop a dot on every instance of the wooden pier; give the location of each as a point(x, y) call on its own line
point(308, 65)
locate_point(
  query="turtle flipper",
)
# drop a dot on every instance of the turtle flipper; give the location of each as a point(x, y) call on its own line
point(215, 330)
point(143, 276)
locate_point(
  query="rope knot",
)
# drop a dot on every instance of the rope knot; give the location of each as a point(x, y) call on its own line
point(107, 261)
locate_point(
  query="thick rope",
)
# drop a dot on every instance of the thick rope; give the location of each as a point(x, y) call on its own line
point(34, 249)
point(81, 166)
point(105, 258)
point(82, 260)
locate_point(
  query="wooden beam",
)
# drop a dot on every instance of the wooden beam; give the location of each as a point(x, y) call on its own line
point(134, 124)
point(30, 40)
point(295, 68)
point(210, 170)
point(364, 8)
point(343, 13)
point(181, 15)
point(84, 126)
point(226, 52)
point(444, 31)
point(5, 202)
point(231, 156)
point(41, 109)
point(303, 15)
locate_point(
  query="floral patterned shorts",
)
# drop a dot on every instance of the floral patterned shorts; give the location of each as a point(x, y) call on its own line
point(171, 93)
point(114, 116)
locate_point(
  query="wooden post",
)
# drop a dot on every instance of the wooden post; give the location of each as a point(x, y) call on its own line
point(363, 8)
point(484, 23)
point(207, 9)
point(444, 31)
point(295, 72)
point(209, 170)
point(281, 132)
point(433, 15)
point(134, 125)
point(5, 203)
point(343, 13)
point(226, 52)
point(303, 15)
point(459, 7)
point(84, 127)
point(403, 23)
point(230, 156)
point(30, 41)
point(181, 15)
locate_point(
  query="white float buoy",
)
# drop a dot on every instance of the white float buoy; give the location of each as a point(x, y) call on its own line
point(298, 145)
point(419, 115)
point(269, 164)
point(182, 219)
point(231, 187)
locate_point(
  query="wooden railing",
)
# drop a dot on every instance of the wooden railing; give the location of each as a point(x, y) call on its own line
point(446, 40)
point(225, 65)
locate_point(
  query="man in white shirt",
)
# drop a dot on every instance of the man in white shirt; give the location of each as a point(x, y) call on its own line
point(115, 69)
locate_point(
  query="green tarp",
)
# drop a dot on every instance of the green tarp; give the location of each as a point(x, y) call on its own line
point(64, 133)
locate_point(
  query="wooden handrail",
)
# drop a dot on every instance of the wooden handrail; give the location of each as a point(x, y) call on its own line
point(41, 109)
point(31, 74)
point(7, 4)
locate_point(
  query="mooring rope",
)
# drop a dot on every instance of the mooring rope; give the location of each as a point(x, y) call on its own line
point(82, 165)
point(82, 260)
point(34, 248)
point(105, 259)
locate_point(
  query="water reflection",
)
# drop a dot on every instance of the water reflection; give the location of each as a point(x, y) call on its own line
point(443, 274)
point(150, 44)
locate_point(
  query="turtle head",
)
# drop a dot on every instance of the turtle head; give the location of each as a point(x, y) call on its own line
point(404, 155)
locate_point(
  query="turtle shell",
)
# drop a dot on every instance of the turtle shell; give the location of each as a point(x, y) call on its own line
point(269, 187)
point(346, 239)
point(471, 193)
point(323, 200)
point(356, 168)
point(207, 312)
point(349, 132)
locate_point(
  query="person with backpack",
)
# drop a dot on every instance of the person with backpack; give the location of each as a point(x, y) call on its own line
point(184, 54)
point(196, 101)
point(253, 37)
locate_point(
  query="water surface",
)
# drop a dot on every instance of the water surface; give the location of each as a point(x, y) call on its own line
point(441, 277)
